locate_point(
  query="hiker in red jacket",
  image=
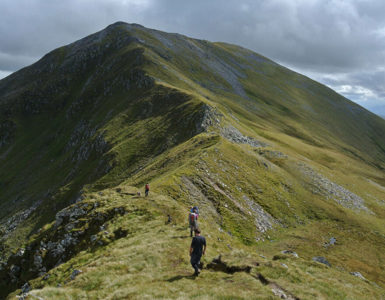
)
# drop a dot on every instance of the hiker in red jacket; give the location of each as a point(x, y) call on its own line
point(146, 189)
point(193, 221)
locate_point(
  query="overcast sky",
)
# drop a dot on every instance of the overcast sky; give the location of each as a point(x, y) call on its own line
point(339, 43)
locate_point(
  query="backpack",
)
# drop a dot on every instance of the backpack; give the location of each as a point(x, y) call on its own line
point(196, 208)
point(192, 218)
point(147, 187)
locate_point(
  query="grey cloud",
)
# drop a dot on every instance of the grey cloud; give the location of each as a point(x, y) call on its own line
point(10, 62)
point(4, 73)
point(34, 27)
point(326, 35)
point(365, 88)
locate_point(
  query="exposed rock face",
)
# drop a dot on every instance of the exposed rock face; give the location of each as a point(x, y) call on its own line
point(11, 223)
point(66, 238)
point(69, 214)
point(208, 117)
point(325, 187)
point(85, 140)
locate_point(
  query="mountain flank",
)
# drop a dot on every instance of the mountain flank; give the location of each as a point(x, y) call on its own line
point(288, 175)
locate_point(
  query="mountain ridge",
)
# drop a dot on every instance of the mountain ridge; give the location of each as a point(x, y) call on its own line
point(260, 148)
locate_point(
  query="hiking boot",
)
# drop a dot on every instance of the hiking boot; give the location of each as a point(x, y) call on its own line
point(197, 271)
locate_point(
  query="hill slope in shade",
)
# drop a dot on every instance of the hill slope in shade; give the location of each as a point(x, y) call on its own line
point(275, 161)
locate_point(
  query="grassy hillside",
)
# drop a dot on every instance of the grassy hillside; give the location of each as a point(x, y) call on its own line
point(275, 161)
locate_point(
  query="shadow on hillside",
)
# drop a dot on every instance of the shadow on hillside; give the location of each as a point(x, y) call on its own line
point(180, 237)
point(179, 277)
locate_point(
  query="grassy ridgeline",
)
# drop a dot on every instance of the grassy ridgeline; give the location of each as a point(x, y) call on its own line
point(274, 160)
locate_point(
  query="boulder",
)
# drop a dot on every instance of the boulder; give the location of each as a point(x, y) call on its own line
point(322, 260)
point(25, 288)
point(75, 273)
point(290, 252)
point(38, 261)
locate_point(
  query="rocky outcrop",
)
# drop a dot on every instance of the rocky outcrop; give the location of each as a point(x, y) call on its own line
point(208, 117)
point(10, 224)
point(84, 141)
point(76, 228)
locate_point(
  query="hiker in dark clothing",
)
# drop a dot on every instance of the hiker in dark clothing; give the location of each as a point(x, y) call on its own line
point(146, 189)
point(197, 249)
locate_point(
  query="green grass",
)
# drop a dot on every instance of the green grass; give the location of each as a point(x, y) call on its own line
point(152, 262)
point(152, 136)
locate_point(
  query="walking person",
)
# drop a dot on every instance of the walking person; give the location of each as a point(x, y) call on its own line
point(196, 209)
point(193, 221)
point(146, 189)
point(197, 249)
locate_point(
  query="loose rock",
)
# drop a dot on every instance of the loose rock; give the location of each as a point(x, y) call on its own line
point(358, 274)
point(75, 273)
point(321, 260)
point(290, 252)
point(25, 288)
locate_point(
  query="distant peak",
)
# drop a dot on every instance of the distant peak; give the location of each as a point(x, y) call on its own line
point(120, 23)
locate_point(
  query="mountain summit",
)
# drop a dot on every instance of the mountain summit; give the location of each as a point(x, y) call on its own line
point(289, 176)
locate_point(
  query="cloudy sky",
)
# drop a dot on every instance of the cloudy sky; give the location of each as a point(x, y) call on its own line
point(340, 43)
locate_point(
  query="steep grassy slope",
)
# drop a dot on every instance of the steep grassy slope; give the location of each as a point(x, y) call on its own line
point(274, 160)
point(74, 135)
point(274, 97)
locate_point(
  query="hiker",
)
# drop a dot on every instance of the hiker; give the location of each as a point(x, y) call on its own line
point(146, 189)
point(197, 249)
point(193, 221)
point(169, 219)
point(196, 209)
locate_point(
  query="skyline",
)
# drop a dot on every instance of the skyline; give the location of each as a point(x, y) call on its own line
point(338, 43)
